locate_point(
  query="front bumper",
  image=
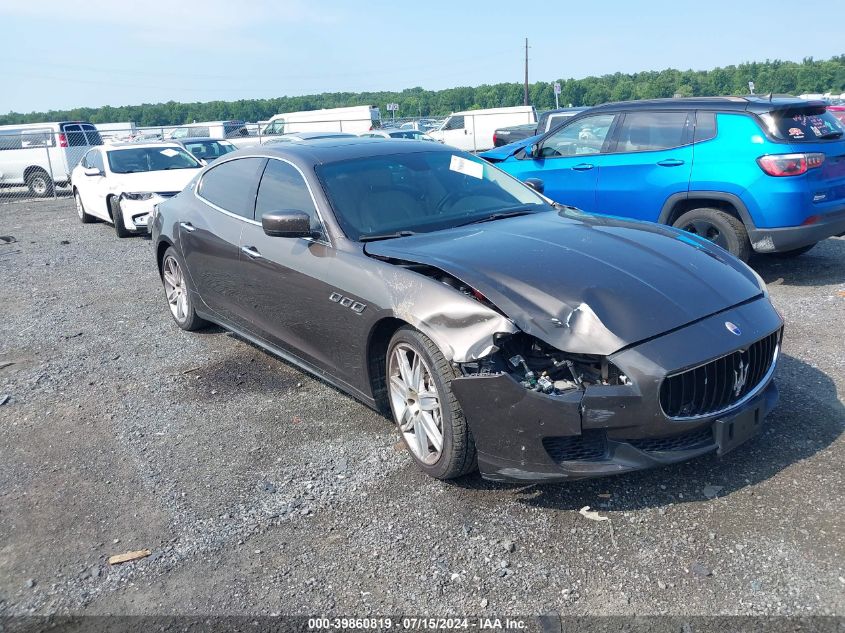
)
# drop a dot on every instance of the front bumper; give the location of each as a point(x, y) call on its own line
point(791, 237)
point(523, 435)
point(136, 213)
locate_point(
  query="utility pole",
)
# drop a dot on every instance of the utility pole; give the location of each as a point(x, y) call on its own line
point(525, 91)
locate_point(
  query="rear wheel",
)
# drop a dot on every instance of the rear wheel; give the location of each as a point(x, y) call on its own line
point(178, 293)
point(84, 217)
point(40, 184)
point(117, 218)
point(795, 252)
point(427, 414)
point(719, 227)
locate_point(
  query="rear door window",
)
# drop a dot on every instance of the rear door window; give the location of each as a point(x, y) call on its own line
point(804, 124)
point(232, 185)
point(74, 135)
point(92, 135)
point(653, 131)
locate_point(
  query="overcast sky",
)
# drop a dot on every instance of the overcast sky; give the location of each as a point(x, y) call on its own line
point(57, 54)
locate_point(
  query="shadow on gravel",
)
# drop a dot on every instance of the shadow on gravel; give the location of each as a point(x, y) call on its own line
point(822, 266)
point(808, 418)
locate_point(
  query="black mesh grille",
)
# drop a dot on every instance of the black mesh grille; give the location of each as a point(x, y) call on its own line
point(682, 442)
point(167, 194)
point(591, 446)
point(718, 384)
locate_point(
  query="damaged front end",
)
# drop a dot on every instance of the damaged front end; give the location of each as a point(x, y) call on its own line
point(524, 396)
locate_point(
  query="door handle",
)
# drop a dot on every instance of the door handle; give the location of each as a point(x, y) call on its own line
point(671, 162)
point(190, 228)
point(583, 167)
point(251, 252)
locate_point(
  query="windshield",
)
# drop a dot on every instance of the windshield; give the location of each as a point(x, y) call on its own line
point(804, 124)
point(209, 150)
point(138, 159)
point(420, 192)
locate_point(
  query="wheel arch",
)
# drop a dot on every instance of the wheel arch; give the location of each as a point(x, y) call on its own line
point(161, 249)
point(108, 205)
point(377, 343)
point(679, 203)
point(29, 171)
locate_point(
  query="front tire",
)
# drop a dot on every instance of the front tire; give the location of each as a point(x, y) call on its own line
point(178, 293)
point(427, 414)
point(40, 184)
point(718, 227)
point(84, 217)
point(117, 218)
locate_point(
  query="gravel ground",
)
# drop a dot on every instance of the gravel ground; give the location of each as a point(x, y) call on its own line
point(261, 490)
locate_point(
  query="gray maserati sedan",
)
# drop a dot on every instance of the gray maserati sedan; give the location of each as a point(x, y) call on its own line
point(500, 331)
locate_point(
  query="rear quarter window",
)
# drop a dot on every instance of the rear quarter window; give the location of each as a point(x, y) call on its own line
point(803, 125)
point(232, 185)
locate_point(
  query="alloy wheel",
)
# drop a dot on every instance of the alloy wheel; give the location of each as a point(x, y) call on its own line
point(174, 287)
point(416, 403)
point(708, 231)
point(39, 186)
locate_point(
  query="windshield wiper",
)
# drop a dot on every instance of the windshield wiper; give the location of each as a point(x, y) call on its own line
point(500, 215)
point(385, 236)
point(832, 135)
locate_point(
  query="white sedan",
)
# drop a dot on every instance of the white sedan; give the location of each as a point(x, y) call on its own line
point(397, 133)
point(122, 183)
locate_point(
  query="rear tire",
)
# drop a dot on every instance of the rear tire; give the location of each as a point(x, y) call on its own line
point(84, 217)
point(178, 292)
point(718, 227)
point(795, 252)
point(40, 184)
point(117, 218)
point(423, 406)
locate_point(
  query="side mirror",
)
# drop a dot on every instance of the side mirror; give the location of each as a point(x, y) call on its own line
point(536, 184)
point(287, 223)
point(92, 171)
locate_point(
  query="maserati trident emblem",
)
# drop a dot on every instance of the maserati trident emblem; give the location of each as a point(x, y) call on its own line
point(733, 328)
point(740, 376)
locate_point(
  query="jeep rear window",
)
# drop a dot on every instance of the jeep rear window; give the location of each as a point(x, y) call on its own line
point(801, 125)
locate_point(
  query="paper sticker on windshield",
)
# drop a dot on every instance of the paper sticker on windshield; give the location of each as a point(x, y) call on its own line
point(170, 153)
point(467, 167)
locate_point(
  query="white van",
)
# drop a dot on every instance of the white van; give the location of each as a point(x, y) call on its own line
point(31, 152)
point(353, 120)
point(211, 129)
point(472, 130)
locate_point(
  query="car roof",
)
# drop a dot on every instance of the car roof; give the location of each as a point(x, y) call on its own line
point(140, 145)
point(332, 150)
point(200, 139)
point(753, 103)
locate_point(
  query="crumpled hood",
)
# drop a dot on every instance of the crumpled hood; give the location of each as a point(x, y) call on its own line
point(498, 154)
point(584, 283)
point(166, 180)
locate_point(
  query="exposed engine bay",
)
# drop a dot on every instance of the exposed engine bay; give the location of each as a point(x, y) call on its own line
point(539, 367)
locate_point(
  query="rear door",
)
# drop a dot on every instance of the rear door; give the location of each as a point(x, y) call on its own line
point(568, 160)
point(210, 233)
point(650, 159)
point(75, 147)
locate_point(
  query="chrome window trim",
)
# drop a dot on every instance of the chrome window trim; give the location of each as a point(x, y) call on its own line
point(220, 162)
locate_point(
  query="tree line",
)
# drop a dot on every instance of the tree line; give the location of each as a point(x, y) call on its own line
point(776, 76)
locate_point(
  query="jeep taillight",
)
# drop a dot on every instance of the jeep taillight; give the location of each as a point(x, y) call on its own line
point(790, 164)
point(62, 140)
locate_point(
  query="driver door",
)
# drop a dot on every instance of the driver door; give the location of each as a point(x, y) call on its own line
point(568, 161)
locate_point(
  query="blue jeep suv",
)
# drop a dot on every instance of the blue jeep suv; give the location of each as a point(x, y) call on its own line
point(748, 173)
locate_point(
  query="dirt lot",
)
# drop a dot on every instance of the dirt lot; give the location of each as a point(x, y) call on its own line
point(261, 490)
